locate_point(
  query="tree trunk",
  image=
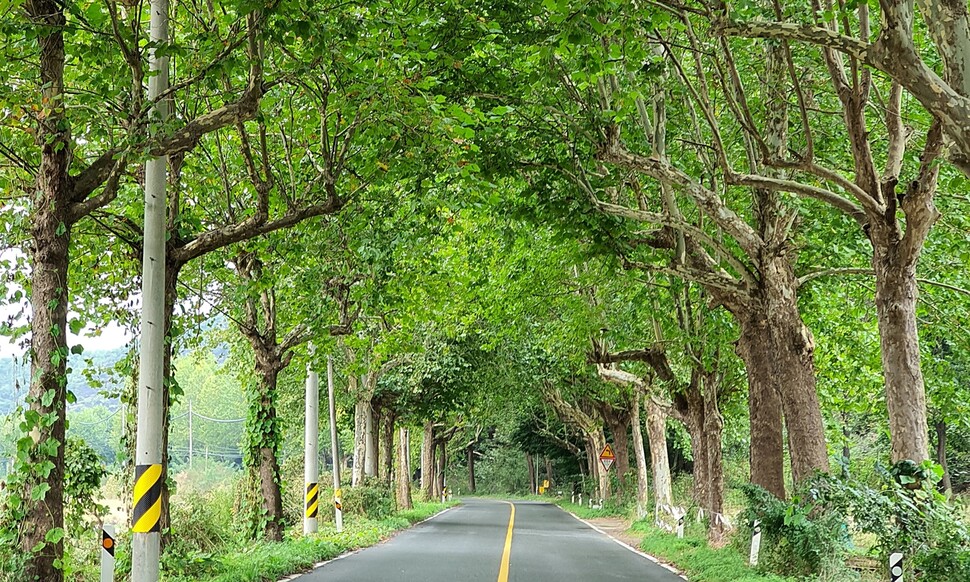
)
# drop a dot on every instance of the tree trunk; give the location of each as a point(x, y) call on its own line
point(946, 483)
point(549, 472)
point(619, 425)
point(598, 442)
point(713, 429)
point(361, 414)
point(51, 239)
point(387, 446)
point(640, 457)
point(266, 448)
point(470, 459)
point(767, 455)
point(660, 462)
point(440, 462)
point(428, 462)
point(172, 269)
point(403, 477)
point(899, 339)
point(533, 486)
point(370, 444)
point(696, 428)
point(793, 362)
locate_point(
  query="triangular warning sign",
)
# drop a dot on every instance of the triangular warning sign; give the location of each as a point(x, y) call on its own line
point(607, 457)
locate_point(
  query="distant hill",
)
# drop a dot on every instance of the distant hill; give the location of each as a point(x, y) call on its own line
point(92, 373)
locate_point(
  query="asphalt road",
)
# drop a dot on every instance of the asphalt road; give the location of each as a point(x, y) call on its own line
point(468, 543)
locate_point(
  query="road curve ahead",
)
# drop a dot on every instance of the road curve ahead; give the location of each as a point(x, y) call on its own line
point(472, 542)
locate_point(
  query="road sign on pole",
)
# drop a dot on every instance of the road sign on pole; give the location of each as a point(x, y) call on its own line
point(607, 457)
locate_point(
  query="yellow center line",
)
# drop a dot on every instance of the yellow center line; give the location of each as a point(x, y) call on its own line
point(503, 571)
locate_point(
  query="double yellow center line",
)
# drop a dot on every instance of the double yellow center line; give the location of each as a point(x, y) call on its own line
point(503, 571)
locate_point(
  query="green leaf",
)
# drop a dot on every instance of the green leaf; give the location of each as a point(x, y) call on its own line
point(55, 535)
point(39, 492)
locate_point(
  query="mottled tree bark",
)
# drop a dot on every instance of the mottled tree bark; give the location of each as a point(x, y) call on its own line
point(403, 474)
point(639, 456)
point(659, 460)
point(767, 454)
point(387, 446)
point(428, 461)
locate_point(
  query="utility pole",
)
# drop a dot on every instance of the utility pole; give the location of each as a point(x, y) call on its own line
point(335, 450)
point(149, 456)
point(310, 455)
point(190, 434)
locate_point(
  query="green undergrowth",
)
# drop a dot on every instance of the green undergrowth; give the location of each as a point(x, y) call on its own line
point(268, 562)
point(586, 512)
point(699, 562)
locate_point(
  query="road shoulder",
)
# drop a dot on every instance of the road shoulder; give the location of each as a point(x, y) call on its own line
point(618, 530)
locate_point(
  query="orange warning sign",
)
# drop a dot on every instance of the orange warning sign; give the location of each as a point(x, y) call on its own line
point(607, 457)
point(108, 543)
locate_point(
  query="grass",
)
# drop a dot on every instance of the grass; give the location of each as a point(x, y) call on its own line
point(268, 562)
point(699, 562)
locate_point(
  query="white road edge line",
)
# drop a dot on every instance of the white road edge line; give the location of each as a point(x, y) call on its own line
point(626, 545)
point(292, 577)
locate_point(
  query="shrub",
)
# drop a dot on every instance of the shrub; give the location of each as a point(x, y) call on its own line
point(371, 499)
point(811, 534)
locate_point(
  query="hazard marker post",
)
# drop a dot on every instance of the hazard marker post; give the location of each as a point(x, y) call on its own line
point(607, 457)
point(755, 543)
point(896, 567)
point(107, 553)
point(680, 526)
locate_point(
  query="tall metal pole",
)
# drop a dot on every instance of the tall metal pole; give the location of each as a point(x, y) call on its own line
point(335, 450)
point(310, 463)
point(149, 456)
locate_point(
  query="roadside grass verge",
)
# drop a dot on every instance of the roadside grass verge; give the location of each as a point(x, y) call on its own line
point(699, 562)
point(268, 562)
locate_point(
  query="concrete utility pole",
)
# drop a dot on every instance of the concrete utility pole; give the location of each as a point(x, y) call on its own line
point(149, 456)
point(310, 456)
point(335, 450)
point(190, 434)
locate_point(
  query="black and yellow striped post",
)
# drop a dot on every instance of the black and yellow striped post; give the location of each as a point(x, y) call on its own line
point(312, 500)
point(147, 505)
point(338, 507)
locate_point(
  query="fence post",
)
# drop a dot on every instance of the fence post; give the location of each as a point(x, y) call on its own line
point(755, 543)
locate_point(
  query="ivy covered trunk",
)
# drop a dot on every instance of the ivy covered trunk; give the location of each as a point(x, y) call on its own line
point(43, 465)
point(402, 478)
point(265, 434)
point(172, 391)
